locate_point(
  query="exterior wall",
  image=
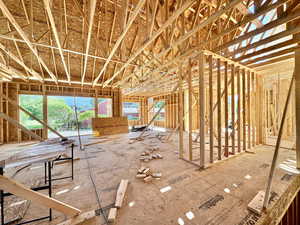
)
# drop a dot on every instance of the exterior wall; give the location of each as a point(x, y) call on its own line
point(9, 133)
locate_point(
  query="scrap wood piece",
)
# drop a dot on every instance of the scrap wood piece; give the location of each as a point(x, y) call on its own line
point(256, 204)
point(79, 219)
point(112, 215)
point(20, 190)
point(121, 193)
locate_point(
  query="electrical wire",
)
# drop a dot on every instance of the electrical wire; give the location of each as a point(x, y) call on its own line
point(90, 169)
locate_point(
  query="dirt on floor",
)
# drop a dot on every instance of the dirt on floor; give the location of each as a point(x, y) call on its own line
point(218, 195)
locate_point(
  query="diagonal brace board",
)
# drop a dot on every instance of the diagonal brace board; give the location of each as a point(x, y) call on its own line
point(16, 123)
point(20, 190)
point(31, 115)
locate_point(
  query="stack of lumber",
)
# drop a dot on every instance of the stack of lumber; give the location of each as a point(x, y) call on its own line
point(110, 125)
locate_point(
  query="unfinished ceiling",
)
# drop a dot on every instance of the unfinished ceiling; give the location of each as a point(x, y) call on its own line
point(140, 45)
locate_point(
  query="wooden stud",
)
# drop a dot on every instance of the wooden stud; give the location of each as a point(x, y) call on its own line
point(202, 109)
point(190, 112)
point(249, 109)
point(244, 110)
point(180, 112)
point(233, 108)
point(253, 108)
point(297, 105)
point(211, 113)
point(219, 109)
point(238, 109)
point(226, 153)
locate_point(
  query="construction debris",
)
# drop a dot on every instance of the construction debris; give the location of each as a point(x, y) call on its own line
point(147, 175)
point(148, 179)
point(121, 193)
point(148, 155)
point(112, 215)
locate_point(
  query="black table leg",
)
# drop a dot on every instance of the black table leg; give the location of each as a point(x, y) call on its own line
point(72, 155)
point(50, 188)
point(45, 164)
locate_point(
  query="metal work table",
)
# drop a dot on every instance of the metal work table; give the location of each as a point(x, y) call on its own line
point(47, 152)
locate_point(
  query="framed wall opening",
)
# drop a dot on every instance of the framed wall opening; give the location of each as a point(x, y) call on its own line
point(131, 110)
point(61, 115)
point(162, 115)
point(34, 105)
point(104, 107)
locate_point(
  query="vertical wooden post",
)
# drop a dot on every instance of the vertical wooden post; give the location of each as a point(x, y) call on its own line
point(253, 108)
point(238, 109)
point(180, 116)
point(226, 107)
point(190, 110)
point(244, 110)
point(297, 105)
point(211, 112)
point(249, 108)
point(232, 109)
point(45, 113)
point(201, 109)
point(219, 109)
point(259, 110)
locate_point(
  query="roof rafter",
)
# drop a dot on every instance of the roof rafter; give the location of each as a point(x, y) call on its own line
point(172, 18)
point(91, 22)
point(120, 39)
point(202, 24)
point(9, 16)
point(56, 36)
point(20, 62)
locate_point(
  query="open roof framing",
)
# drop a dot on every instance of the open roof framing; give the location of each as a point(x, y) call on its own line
point(139, 45)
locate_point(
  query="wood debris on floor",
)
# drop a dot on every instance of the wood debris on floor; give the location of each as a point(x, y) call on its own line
point(150, 154)
point(147, 174)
